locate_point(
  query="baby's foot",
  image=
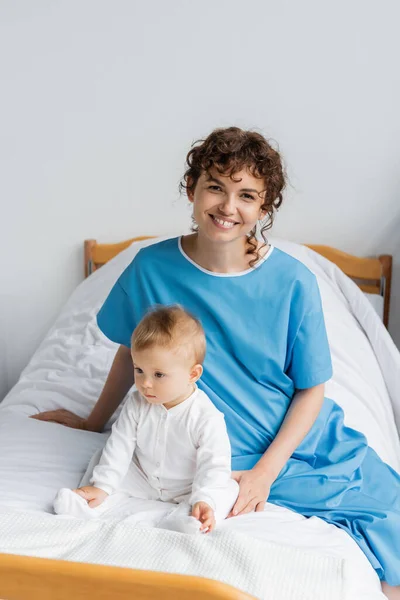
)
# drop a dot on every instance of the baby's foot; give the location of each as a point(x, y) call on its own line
point(68, 503)
point(182, 524)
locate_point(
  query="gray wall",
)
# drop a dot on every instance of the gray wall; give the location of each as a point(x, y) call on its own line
point(101, 100)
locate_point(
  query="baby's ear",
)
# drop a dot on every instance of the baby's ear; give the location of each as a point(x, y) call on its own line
point(195, 373)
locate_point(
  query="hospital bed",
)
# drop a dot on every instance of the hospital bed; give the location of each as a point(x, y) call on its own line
point(276, 554)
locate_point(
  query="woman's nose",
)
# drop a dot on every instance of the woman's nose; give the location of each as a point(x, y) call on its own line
point(227, 206)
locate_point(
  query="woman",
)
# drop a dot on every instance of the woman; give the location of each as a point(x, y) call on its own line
point(267, 351)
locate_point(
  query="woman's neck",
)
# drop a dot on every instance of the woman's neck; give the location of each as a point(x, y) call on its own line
point(217, 257)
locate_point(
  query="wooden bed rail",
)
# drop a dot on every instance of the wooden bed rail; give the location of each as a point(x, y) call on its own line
point(29, 578)
point(373, 275)
point(97, 255)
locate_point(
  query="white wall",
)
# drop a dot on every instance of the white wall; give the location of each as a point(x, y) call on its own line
point(101, 100)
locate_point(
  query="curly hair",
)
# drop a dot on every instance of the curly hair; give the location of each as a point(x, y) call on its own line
point(230, 150)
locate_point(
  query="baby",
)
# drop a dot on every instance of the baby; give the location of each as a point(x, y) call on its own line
point(170, 442)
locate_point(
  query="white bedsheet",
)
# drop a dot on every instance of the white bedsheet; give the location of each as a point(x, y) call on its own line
point(69, 369)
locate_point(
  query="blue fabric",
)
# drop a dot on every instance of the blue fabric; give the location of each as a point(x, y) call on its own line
point(266, 338)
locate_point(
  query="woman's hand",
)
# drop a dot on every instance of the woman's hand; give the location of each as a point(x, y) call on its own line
point(62, 416)
point(254, 487)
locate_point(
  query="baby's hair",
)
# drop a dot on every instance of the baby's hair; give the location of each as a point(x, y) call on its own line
point(231, 150)
point(171, 327)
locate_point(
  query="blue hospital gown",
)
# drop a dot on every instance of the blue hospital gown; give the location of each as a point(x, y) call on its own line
point(266, 338)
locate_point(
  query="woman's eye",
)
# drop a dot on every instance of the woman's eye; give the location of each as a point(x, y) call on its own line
point(248, 197)
point(159, 375)
point(215, 188)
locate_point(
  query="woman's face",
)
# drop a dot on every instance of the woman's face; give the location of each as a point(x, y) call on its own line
point(226, 209)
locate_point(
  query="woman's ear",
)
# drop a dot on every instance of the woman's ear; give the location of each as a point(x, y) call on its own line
point(189, 189)
point(195, 373)
point(263, 213)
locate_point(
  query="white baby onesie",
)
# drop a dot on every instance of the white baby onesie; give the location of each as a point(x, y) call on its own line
point(179, 455)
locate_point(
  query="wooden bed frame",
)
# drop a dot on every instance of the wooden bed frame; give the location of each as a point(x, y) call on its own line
point(372, 275)
point(29, 578)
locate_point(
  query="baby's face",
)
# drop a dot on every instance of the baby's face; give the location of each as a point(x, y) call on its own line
point(163, 376)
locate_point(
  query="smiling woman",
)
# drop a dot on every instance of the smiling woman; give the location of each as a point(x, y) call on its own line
point(227, 175)
point(227, 202)
point(225, 209)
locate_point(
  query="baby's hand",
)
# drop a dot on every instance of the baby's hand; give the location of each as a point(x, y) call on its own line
point(94, 496)
point(205, 514)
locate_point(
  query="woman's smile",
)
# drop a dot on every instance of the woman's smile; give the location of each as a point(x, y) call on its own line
point(223, 223)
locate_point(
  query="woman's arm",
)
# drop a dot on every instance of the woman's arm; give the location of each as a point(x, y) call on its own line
point(119, 381)
point(300, 417)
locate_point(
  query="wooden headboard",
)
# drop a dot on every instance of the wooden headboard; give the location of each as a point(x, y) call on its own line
point(372, 275)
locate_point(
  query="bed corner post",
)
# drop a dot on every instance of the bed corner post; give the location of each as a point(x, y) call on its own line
point(386, 261)
point(89, 265)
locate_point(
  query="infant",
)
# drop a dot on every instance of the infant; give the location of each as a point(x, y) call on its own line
point(170, 442)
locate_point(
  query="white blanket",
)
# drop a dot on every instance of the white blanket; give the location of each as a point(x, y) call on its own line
point(253, 566)
point(69, 369)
